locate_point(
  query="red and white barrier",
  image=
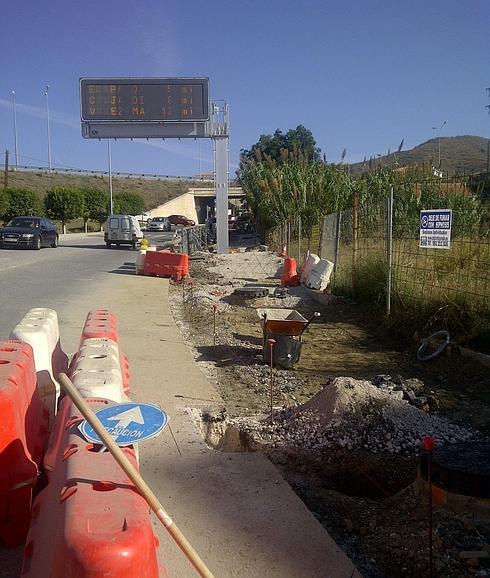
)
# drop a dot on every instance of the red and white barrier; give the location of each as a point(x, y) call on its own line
point(89, 522)
point(23, 434)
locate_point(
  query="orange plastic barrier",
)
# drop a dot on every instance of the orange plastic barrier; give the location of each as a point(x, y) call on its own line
point(289, 275)
point(100, 323)
point(23, 434)
point(167, 264)
point(89, 522)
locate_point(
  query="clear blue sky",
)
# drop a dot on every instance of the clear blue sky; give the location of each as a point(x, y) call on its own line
point(360, 74)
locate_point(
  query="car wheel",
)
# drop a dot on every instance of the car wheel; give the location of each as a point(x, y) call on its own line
point(37, 243)
point(108, 244)
point(54, 244)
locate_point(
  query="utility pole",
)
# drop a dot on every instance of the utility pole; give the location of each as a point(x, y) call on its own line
point(439, 142)
point(16, 152)
point(46, 94)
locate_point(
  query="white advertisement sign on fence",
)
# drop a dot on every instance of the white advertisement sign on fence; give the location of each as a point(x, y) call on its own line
point(435, 229)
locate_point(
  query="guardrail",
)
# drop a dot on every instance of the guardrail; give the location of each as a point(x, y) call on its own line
point(87, 172)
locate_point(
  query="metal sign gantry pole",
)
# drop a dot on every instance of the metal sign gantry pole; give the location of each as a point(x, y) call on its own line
point(219, 132)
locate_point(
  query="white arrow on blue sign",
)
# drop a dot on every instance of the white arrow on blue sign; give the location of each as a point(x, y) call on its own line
point(127, 423)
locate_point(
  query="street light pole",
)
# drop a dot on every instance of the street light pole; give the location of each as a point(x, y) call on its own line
point(46, 94)
point(439, 142)
point(15, 129)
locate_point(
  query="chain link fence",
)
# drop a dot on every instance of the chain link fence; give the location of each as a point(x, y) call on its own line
point(193, 239)
point(365, 248)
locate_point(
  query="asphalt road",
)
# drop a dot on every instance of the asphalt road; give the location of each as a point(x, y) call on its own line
point(56, 278)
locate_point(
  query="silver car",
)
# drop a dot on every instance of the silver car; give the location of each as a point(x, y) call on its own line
point(159, 224)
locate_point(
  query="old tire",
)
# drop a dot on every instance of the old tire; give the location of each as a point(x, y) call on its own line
point(54, 244)
point(439, 335)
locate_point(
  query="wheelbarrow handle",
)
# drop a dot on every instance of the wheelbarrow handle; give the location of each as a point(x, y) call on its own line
point(314, 316)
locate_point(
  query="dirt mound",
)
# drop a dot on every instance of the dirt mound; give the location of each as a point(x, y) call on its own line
point(354, 413)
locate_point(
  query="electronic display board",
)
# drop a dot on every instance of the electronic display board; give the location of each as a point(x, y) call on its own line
point(144, 99)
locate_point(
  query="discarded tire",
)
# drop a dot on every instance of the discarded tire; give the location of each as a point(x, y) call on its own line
point(422, 354)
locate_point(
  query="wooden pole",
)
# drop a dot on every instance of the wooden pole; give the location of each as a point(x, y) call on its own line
point(135, 477)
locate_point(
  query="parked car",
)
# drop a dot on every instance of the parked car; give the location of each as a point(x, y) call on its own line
point(31, 232)
point(181, 220)
point(122, 230)
point(143, 217)
point(159, 224)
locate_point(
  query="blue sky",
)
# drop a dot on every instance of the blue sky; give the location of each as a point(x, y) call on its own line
point(360, 74)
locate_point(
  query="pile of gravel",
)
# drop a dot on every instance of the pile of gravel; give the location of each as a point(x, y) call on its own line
point(355, 414)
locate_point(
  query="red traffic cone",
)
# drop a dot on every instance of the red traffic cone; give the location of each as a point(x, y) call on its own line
point(283, 253)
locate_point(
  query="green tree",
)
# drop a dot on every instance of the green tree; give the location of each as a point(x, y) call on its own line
point(64, 204)
point(20, 202)
point(129, 203)
point(299, 139)
point(4, 203)
point(96, 206)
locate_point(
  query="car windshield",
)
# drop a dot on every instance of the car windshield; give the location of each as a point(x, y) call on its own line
point(158, 219)
point(23, 222)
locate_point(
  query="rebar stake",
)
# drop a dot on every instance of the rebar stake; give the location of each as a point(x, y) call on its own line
point(271, 343)
point(215, 311)
point(428, 444)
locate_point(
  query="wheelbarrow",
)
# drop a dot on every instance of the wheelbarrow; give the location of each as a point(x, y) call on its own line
point(286, 327)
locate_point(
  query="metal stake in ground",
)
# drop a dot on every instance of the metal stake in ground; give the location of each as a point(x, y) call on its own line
point(428, 444)
point(270, 343)
point(215, 312)
point(135, 477)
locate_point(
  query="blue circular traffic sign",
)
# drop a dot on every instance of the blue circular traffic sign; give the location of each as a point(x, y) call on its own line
point(128, 423)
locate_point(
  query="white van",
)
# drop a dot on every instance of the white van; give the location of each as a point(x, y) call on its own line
point(122, 230)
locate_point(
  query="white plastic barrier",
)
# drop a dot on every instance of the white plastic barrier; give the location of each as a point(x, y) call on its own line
point(96, 370)
point(319, 277)
point(140, 262)
point(310, 261)
point(39, 328)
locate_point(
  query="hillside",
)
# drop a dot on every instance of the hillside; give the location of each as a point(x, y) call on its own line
point(154, 191)
point(459, 155)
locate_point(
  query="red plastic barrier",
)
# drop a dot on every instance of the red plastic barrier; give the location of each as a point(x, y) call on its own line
point(126, 373)
point(100, 323)
point(23, 434)
point(89, 522)
point(166, 264)
point(289, 275)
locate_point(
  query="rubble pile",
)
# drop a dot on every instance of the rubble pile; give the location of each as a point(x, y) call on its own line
point(355, 414)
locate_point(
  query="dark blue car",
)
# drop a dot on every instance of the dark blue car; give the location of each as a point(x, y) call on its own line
point(30, 232)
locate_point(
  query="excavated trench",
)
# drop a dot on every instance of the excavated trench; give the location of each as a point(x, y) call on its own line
point(351, 473)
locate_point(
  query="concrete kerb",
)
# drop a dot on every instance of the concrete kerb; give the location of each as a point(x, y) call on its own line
point(235, 509)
